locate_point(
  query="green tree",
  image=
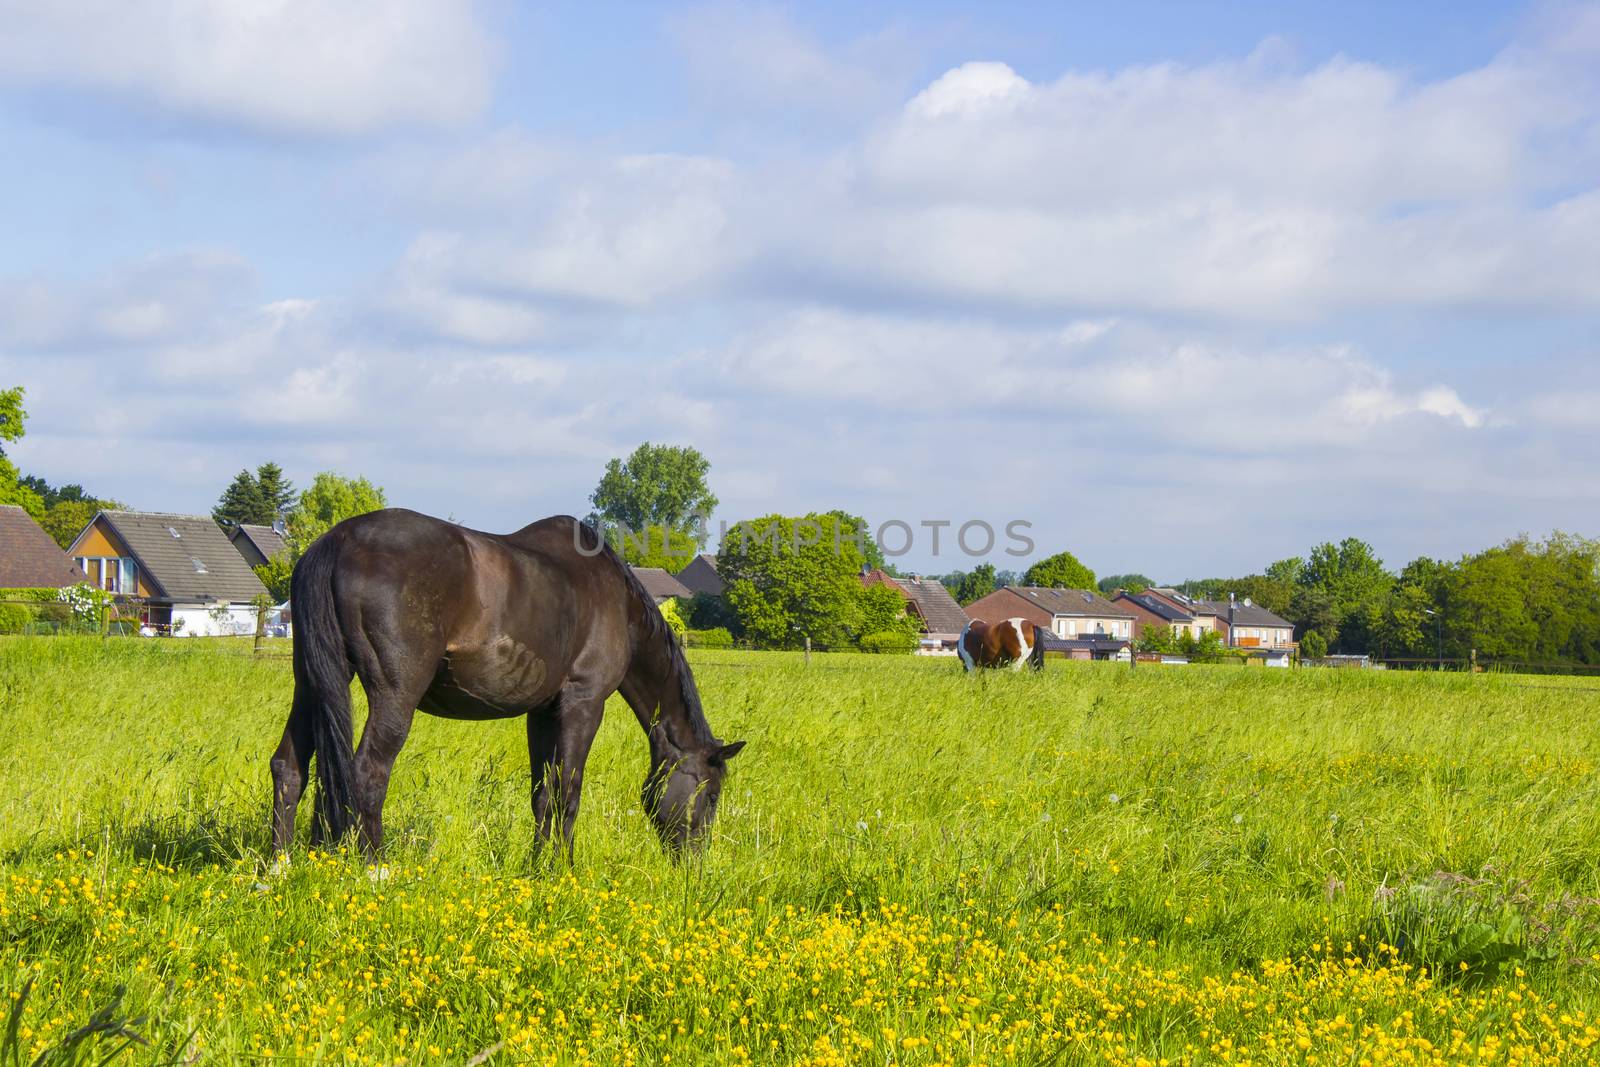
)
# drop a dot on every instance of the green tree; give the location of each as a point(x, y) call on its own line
point(276, 573)
point(1154, 638)
point(257, 499)
point(1405, 628)
point(12, 423)
point(658, 485)
point(865, 541)
point(1313, 645)
point(788, 578)
point(65, 519)
point(1130, 583)
point(1357, 587)
point(1060, 571)
point(883, 611)
point(330, 500)
point(13, 419)
point(241, 502)
point(975, 584)
point(277, 492)
point(654, 546)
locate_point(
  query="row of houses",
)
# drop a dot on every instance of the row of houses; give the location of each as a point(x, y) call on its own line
point(188, 575)
point(1086, 625)
point(192, 577)
point(1081, 624)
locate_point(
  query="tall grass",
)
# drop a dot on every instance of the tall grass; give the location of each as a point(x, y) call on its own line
point(1210, 820)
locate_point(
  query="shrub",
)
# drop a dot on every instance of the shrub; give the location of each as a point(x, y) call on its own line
point(714, 638)
point(1313, 645)
point(673, 617)
point(15, 618)
point(38, 596)
point(888, 641)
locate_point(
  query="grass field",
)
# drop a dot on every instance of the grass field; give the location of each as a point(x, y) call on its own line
point(910, 866)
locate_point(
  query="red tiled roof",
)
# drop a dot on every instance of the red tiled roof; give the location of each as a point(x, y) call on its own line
point(29, 559)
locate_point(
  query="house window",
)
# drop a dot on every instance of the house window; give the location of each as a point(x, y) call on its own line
point(114, 574)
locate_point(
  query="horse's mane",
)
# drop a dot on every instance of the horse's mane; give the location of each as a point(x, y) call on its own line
point(656, 629)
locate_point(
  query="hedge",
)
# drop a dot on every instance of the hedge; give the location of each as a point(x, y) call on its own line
point(888, 641)
point(714, 638)
point(35, 596)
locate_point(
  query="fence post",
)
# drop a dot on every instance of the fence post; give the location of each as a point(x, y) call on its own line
point(808, 650)
point(261, 627)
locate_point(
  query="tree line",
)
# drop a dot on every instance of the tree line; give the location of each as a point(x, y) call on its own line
point(789, 577)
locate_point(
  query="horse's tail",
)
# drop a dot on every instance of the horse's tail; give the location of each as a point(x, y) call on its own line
point(323, 668)
point(1036, 657)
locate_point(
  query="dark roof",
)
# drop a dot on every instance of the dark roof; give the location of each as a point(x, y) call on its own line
point(1054, 643)
point(701, 576)
point(1172, 596)
point(939, 610)
point(267, 540)
point(29, 558)
point(1246, 614)
point(1071, 601)
point(659, 583)
point(187, 557)
point(1156, 606)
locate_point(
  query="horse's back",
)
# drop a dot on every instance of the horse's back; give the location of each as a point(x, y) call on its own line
point(505, 617)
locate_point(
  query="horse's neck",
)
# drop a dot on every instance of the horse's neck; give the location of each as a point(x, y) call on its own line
point(654, 677)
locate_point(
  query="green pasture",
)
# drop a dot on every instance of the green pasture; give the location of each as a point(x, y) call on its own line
point(1203, 821)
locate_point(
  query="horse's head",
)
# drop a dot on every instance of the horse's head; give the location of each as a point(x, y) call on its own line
point(681, 794)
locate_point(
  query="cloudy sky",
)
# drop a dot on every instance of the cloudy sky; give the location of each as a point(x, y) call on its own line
point(1189, 287)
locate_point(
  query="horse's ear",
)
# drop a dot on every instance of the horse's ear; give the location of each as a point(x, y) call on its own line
point(730, 750)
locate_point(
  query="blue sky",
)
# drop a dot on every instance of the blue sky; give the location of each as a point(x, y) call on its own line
point(1189, 287)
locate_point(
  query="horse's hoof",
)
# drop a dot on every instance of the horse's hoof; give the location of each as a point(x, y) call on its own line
point(280, 865)
point(379, 873)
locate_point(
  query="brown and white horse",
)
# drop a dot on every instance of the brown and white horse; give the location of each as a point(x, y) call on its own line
point(1012, 643)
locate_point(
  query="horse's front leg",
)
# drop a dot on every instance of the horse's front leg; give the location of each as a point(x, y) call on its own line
point(388, 722)
point(559, 789)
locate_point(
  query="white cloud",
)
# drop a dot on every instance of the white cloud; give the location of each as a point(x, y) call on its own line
point(754, 57)
point(284, 66)
point(627, 231)
point(1223, 396)
point(158, 297)
point(972, 90)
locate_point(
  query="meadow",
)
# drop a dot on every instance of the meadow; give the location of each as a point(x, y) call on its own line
point(1094, 864)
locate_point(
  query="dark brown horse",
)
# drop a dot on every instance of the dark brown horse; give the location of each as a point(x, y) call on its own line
point(545, 623)
point(1011, 643)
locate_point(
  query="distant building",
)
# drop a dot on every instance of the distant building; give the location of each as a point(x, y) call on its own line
point(660, 584)
point(1253, 626)
point(701, 576)
point(939, 617)
point(256, 544)
point(29, 557)
point(1067, 613)
point(193, 580)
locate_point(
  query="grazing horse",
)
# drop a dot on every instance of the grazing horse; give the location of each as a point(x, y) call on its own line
point(1012, 643)
point(544, 623)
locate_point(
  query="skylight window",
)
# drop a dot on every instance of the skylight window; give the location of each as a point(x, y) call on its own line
point(173, 530)
point(199, 568)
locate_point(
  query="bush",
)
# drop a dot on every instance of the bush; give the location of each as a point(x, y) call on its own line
point(1313, 645)
point(37, 596)
point(714, 638)
point(15, 618)
point(673, 617)
point(888, 641)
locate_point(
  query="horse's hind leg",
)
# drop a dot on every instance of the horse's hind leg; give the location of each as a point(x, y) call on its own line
point(289, 765)
point(389, 715)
